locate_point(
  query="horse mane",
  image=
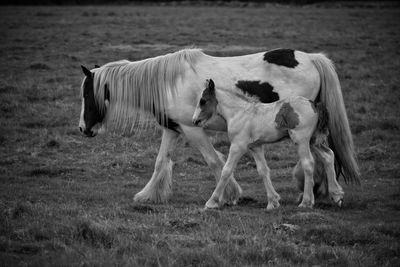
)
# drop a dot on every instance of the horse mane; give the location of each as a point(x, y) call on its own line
point(138, 90)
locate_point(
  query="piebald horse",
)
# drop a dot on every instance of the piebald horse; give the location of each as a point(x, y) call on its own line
point(126, 94)
point(251, 124)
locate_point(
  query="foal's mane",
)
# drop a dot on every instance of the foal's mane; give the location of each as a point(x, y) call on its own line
point(139, 89)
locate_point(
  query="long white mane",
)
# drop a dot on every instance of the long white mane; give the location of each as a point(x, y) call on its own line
point(139, 89)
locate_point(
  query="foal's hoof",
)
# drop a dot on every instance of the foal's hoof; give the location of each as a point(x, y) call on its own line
point(299, 198)
point(211, 204)
point(273, 202)
point(306, 205)
point(340, 203)
point(272, 206)
point(231, 194)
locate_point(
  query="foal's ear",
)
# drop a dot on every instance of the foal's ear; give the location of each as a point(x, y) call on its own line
point(86, 71)
point(211, 86)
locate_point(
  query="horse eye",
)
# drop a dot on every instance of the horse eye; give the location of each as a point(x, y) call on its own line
point(202, 102)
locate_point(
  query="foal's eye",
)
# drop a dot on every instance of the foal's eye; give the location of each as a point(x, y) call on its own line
point(202, 102)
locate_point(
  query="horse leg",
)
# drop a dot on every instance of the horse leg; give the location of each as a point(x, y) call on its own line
point(264, 172)
point(335, 190)
point(307, 163)
point(158, 189)
point(235, 152)
point(298, 175)
point(215, 160)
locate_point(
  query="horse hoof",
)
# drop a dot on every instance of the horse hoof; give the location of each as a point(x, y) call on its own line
point(305, 205)
point(140, 198)
point(211, 204)
point(337, 199)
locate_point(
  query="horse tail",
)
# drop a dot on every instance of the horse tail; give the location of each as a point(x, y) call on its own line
point(340, 138)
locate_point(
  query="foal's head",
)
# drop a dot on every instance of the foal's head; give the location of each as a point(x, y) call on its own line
point(91, 114)
point(207, 105)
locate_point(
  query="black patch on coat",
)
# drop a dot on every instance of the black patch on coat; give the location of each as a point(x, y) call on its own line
point(281, 57)
point(164, 121)
point(170, 124)
point(91, 114)
point(264, 91)
point(286, 118)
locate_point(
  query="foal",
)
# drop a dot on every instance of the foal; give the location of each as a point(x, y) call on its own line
point(252, 124)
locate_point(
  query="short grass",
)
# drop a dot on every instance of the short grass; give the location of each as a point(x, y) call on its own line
point(68, 200)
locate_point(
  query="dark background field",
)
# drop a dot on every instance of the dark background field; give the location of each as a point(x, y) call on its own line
point(68, 200)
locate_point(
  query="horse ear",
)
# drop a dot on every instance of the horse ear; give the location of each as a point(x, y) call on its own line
point(211, 86)
point(96, 66)
point(86, 71)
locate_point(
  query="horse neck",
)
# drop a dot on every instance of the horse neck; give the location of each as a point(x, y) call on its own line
point(229, 104)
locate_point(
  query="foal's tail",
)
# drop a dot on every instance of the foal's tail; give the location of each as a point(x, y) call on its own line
point(340, 138)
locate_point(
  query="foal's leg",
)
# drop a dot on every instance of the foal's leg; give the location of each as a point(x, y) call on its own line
point(235, 152)
point(335, 190)
point(264, 171)
point(298, 176)
point(307, 163)
point(215, 160)
point(158, 189)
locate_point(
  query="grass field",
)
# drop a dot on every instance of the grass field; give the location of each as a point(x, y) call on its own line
point(68, 200)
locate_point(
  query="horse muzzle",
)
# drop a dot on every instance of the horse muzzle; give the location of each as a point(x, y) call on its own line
point(87, 133)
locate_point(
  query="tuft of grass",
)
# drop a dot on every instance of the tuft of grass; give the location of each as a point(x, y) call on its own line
point(184, 225)
point(202, 257)
point(53, 144)
point(8, 89)
point(372, 153)
point(388, 255)
point(142, 209)
point(51, 171)
point(196, 161)
point(290, 253)
point(21, 209)
point(39, 66)
point(311, 217)
point(339, 235)
point(331, 256)
point(94, 234)
point(390, 229)
point(44, 14)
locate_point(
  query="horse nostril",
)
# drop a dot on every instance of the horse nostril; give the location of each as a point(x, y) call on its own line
point(196, 122)
point(80, 129)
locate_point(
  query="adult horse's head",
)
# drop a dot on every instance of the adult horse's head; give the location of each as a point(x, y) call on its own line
point(207, 105)
point(94, 104)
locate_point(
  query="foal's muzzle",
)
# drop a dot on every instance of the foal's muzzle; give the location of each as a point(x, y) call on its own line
point(196, 122)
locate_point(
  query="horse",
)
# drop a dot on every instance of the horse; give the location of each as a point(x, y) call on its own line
point(129, 94)
point(252, 124)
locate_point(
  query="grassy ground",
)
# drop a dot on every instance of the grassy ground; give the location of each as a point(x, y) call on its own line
point(68, 200)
